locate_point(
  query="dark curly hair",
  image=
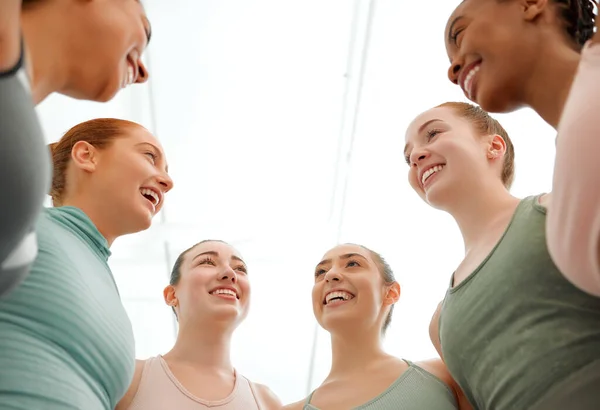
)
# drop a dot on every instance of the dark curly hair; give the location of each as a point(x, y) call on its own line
point(579, 18)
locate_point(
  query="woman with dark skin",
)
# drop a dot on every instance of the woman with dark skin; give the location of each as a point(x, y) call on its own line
point(543, 54)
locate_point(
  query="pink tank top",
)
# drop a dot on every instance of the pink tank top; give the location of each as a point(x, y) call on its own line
point(160, 390)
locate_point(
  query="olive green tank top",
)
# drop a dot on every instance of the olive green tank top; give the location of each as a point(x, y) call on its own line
point(515, 332)
point(66, 342)
point(415, 389)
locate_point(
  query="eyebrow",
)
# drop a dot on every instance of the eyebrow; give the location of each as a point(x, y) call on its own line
point(216, 254)
point(345, 256)
point(421, 128)
point(155, 148)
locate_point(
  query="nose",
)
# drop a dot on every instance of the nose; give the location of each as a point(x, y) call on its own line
point(228, 274)
point(143, 74)
point(454, 71)
point(418, 155)
point(165, 181)
point(333, 275)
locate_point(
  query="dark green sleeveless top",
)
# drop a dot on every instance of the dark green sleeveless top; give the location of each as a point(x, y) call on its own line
point(415, 389)
point(516, 333)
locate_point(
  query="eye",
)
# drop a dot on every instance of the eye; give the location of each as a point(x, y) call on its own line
point(407, 159)
point(242, 268)
point(319, 272)
point(455, 35)
point(151, 155)
point(207, 261)
point(432, 133)
point(352, 264)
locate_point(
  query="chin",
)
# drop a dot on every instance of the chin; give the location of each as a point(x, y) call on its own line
point(499, 100)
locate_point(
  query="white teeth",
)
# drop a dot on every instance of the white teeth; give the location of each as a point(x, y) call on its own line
point(338, 294)
point(130, 73)
point(469, 80)
point(151, 193)
point(430, 172)
point(224, 292)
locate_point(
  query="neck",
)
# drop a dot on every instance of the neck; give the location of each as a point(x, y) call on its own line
point(354, 352)
point(475, 213)
point(94, 213)
point(203, 347)
point(46, 67)
point(550, 81)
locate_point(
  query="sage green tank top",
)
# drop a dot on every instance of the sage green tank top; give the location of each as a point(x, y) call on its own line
point(415, 389)
point(515, 332)
point(66, 342)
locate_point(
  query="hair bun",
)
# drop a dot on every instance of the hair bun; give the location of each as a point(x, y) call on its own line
point(52, 147)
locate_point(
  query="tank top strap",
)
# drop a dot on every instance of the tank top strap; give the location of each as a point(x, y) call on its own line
point(309, 398)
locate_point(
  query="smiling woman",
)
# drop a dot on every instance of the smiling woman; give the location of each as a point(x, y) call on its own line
point(84, 49)
point(353, 299)
point(209, 292)
point(513, 331)
point(67, 342)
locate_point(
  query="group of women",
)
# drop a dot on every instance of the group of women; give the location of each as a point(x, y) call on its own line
point(519, 327)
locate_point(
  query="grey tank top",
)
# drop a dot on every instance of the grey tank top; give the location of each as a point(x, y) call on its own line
point(415, 389)
point(25, 172)
point(159, 389)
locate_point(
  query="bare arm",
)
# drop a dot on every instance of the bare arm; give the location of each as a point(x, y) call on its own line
point(294, 406)
point(266, 398)
point(23, 156)
point(434, 330)
point(133, 387)
point(10, 36)
point(573, 222)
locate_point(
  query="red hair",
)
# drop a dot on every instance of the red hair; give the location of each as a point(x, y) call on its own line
point(484, 124)
point(98, 132)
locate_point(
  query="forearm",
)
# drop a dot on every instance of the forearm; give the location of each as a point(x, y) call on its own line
point(573, 224)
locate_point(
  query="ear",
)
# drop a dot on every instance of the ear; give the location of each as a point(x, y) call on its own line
point(169, 296)
point(392, 294)
point(85, 156)
point(533, 9)
point(496, 147)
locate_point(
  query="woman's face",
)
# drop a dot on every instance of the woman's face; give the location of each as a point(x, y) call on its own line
point(130, 179)
point(493, 47)
point(107, 39)
point(213, 285)
point(447, 158)
point(349, 290)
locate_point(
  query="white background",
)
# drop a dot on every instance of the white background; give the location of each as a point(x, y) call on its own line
point(284, 123)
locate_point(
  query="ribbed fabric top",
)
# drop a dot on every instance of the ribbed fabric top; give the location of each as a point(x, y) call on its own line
point(159, 389)
point(515, 330)
point(66, 342)
point(415, 389)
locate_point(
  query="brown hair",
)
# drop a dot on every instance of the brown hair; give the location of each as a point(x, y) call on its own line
point(99, 132)
point(484, 124)
point(387, 274)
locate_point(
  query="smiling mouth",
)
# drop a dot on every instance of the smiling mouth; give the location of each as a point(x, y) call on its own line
point(151, 196)
point(337, 297)
point(225, 292)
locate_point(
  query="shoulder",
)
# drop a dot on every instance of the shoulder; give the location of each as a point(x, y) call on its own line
point(438, 368)
point(266, 397)
point(126, 401)
point(434, 326)
point(294, 406)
